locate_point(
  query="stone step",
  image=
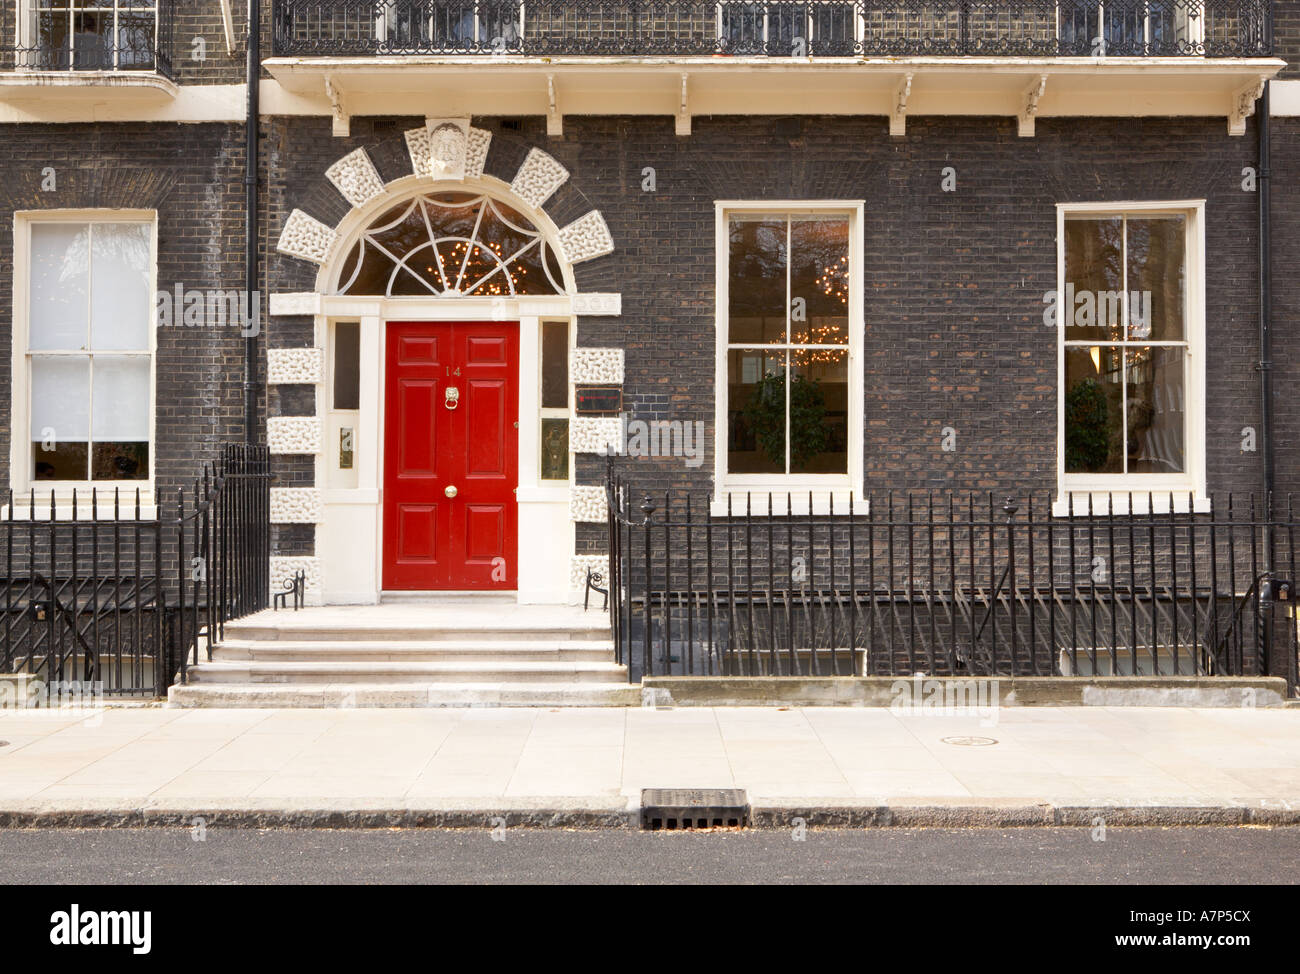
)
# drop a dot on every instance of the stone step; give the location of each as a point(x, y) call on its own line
point(423, 634)
point(447, 598)
point(424, 622)
point(414, 651)
point(262, 695)
point(486, 671)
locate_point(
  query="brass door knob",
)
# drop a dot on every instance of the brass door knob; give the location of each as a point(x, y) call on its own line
point(450, 491)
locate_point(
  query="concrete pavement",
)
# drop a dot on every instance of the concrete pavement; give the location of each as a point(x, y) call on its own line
point(1054, 765)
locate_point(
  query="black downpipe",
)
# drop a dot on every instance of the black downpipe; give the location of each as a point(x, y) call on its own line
point(251, 289)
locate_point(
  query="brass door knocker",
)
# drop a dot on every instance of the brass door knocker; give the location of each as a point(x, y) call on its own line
point(451, 397)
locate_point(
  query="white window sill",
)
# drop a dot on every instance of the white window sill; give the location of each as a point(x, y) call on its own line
point(22, 510)
point(1117, 502)
point(781, 502)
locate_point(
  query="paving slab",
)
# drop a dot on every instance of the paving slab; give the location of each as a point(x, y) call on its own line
point(586, 768)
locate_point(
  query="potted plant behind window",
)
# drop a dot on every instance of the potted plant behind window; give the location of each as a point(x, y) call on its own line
point(765, 416)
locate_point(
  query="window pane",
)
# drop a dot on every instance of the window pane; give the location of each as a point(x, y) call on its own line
point(1155, 410)
point(819, 412)
point(60, 421)
point(1094, 279)
point(742, 28)
point(120, 418)
point(92, 41)
point(135, 39)
point(53, 40)
point(757, 258)
point(1156, 277)
point(833, 29)
point(347, 365)
point(787, 30)
point(819, 275)
point(1093, 410)
point(555, 365)
point(60, 398)
point(120, 304)
point(60, 278)
point(63, 461)
point(121, 398)
point(755, 411)
point(555, 449)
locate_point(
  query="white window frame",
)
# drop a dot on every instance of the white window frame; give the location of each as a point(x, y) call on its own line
point(21, 476)
point(1111, 492)
point(564, 412)
point(772, 489)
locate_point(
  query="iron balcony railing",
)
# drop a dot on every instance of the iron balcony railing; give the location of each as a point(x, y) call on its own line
point(950, 584)
point(72, 35)
point(777, 28)
point(120, 603)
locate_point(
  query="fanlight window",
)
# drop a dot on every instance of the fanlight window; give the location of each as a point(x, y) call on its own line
point(451, 244)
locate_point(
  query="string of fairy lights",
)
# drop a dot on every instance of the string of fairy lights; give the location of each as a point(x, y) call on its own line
point(477, 267)
point(833, 282)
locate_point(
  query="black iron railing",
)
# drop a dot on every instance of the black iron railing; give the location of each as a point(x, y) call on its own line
point(93, 37)
point(948, 584)
point(776, 28)
point(112, 598)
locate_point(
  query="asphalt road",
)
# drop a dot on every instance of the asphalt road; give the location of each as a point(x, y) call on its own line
point(1248, 855)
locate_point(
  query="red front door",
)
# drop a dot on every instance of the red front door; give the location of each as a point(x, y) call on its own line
point(451, 455)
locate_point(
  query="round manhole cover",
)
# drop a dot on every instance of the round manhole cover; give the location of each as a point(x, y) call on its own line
point(969, 741)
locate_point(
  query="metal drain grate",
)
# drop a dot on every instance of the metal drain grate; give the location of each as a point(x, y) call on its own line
point(694, 808)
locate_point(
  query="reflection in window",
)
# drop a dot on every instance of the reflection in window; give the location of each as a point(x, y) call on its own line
point(451, 244)
point(1124, 316)
point(788, 332)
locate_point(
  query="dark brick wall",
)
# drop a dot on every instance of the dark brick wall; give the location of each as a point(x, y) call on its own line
point(191, 175)
point(202, 18)
point(954, 281)
point(1286, 35)
point(1285, 180)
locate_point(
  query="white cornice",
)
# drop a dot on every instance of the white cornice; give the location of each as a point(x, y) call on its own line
point(1076, 87)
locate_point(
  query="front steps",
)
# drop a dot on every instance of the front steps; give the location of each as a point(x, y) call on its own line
point(413, 653)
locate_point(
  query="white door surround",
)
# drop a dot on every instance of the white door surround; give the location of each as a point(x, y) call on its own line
point(345, 505)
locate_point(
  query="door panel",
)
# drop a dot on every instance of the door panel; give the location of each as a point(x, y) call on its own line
point(488, 452)
point(417, 533)
point(417, 438)
point(433, 442)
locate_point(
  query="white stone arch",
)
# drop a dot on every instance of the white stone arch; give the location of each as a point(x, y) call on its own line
point(442, 165)
point(361, 218)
